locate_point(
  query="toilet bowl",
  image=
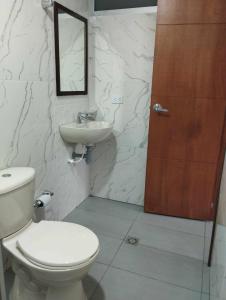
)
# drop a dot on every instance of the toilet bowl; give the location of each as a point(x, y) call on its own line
point(49, 258)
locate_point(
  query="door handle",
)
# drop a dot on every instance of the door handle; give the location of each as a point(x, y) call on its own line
point(158, 108)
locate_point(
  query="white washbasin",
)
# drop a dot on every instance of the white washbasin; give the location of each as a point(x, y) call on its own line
point(85, 133)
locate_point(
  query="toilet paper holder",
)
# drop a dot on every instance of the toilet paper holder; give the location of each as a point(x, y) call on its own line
point(43, 199)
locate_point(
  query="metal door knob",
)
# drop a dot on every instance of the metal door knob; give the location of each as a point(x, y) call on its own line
point(158, 108)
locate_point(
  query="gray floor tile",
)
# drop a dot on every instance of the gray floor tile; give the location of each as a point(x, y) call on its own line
point(122, 285)
point(205, 297)
point(111, 208)
point(172, 268)
point(206, 279)
point(91, 281)
point(207, 248)
point(209, 229)
point(178, 224)
point(111, 226)
point(108, 248)
point(176, 275)
point(169, 240)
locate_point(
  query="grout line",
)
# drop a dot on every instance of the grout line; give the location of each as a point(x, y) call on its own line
point(146, 223)
point(127, 219)
point(169, 252)
point(133, 221)
point(97, 285)
point(115, 201)
point(140, 243)
point(110, 265)
point(123, 240)
point(101, 263)
point(170, 229)
point(155, 279)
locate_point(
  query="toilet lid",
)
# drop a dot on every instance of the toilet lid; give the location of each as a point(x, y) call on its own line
point(58, 244)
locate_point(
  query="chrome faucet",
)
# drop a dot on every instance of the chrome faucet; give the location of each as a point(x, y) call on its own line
point(84, 117)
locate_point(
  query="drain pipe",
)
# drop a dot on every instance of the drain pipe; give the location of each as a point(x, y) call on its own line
point(78, 157)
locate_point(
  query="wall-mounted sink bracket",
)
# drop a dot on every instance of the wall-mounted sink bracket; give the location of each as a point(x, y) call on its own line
point(78, 157)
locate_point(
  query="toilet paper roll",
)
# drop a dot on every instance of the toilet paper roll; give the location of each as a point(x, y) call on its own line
point(44, 199)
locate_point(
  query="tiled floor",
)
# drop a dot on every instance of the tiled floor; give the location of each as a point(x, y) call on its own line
point(167, 264)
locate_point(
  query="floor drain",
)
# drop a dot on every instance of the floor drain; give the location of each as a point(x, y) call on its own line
point(132, 240)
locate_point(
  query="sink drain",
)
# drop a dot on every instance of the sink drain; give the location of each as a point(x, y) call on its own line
point(132, 240)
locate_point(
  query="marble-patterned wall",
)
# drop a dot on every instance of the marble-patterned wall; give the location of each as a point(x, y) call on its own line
point(122, 59)
point(30, 112)
point(218, 269)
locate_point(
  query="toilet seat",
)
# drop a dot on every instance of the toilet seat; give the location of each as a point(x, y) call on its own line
point(58, 245)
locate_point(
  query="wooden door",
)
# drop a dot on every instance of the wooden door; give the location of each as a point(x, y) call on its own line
point(189, 81)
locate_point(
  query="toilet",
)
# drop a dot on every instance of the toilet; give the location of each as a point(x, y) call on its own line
point(49, 258)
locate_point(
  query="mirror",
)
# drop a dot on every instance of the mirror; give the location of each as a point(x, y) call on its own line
point(71, 51)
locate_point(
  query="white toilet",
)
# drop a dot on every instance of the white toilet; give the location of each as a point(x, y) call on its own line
point(49, 258)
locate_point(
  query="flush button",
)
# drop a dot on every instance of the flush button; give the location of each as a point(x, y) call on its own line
point(6, 175)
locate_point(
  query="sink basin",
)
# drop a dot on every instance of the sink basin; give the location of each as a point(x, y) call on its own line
point(88, 133)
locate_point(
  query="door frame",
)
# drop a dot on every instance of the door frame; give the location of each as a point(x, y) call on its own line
point(217, 189)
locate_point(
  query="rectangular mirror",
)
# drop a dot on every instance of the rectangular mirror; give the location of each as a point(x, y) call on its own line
point(71, 51)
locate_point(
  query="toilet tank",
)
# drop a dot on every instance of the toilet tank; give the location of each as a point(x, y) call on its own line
point(16, 199)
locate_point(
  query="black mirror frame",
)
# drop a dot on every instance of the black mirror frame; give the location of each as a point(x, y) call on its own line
point(58, 7)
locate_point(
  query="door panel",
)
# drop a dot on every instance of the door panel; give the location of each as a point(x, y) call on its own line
point(190, 61)
point(179, 188)
point(184, 133)
point(189, 79)
point(191, 11)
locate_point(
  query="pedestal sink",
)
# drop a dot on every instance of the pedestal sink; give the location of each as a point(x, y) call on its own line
point(87, 133)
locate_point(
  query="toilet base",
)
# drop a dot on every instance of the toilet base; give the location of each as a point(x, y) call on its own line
point(72, 292)
point(30, 291)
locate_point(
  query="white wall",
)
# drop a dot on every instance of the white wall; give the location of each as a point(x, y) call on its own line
point(30, 112)
point(122, 59)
